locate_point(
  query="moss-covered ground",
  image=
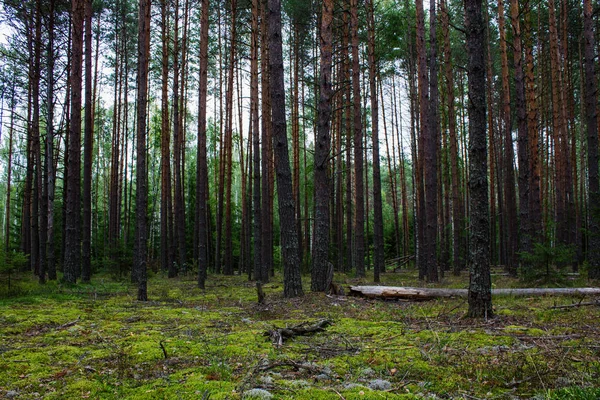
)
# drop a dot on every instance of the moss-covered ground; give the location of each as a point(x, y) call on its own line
point(96, 341)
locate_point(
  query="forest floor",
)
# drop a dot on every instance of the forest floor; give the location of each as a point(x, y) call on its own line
point(96, 341)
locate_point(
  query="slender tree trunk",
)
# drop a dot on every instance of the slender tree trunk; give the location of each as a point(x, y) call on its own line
point(359, 212)
point(431, 155)
point(424, 247)
point(50, 175)
point(289, 235)
point(322, 154)
point(228, 256)
point(86, 255)
point(11, 129)
point(72, 218)
point(378, 258)
point(165, 145)
point(202, 166)
point(454, 156)
point(535, 210)
point(177, 146)
point(266, 155)
point(509, 178)
point(38, 242)
point(523, 138)
point(591, 100)
point(141, 196)
point(254, 118)
point(480, 295)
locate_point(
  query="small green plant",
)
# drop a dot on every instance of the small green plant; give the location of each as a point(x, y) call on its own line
point(12, 262)
point(546, 261)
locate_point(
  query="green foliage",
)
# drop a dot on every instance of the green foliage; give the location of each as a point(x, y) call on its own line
point(11, 263)
point(574, 393)
point(546, 262)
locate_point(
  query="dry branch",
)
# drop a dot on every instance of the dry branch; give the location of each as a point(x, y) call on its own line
point(413, 293)
point(279, 335)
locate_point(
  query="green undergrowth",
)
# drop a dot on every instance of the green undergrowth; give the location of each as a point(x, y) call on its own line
point(96, 341)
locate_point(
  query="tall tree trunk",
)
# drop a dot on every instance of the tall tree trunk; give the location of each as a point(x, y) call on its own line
point(431, 155)
point(424, 254)
point(457, 209)
point(177, 148)
point(591, 100)
point(228, 256)
point(141, 193)
point(322, 154)
point(535, 210)
point(254, 118)
point(50, 175)
point(38, 243)
point(11, 129)
point(378, 258)
point(86, 254)
point(266, 154)
point(165, 146)
point(289, 235)
point(523, 138)
point(480, 294)
point(72, 217)
point(509, 174)
point(359, 211)
point(348, 133)
point(202, 165)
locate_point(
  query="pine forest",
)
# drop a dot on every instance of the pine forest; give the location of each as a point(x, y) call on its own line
point(327, 179)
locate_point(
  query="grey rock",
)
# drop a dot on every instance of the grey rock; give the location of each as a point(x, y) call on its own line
point(367, 372)
point(258, 394)
point(380, 384)
point(11, 394)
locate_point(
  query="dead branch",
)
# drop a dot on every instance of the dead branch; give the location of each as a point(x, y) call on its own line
point(413, 293)
point(279, 335)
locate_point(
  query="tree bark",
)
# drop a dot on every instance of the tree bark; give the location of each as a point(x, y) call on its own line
point(523, 136)
point(289, 234)
point(141, 197)
point(413, 293)
point(202, 165)
point(359, 210)
point(591, 113)
point(378, 257)
point(322, 154)
point(72, 218)
point(86, 256)
point(259, 273)
point(479, 294)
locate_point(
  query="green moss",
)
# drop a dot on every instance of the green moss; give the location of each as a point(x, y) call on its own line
point(96, 341)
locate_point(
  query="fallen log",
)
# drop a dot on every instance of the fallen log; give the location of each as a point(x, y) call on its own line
point(279, 335)
point(413, 293)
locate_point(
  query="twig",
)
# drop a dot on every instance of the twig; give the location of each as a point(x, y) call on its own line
point(278, 336)
point(339, 394)
point(592, 303)
point(68, 324)
point(164, 350)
